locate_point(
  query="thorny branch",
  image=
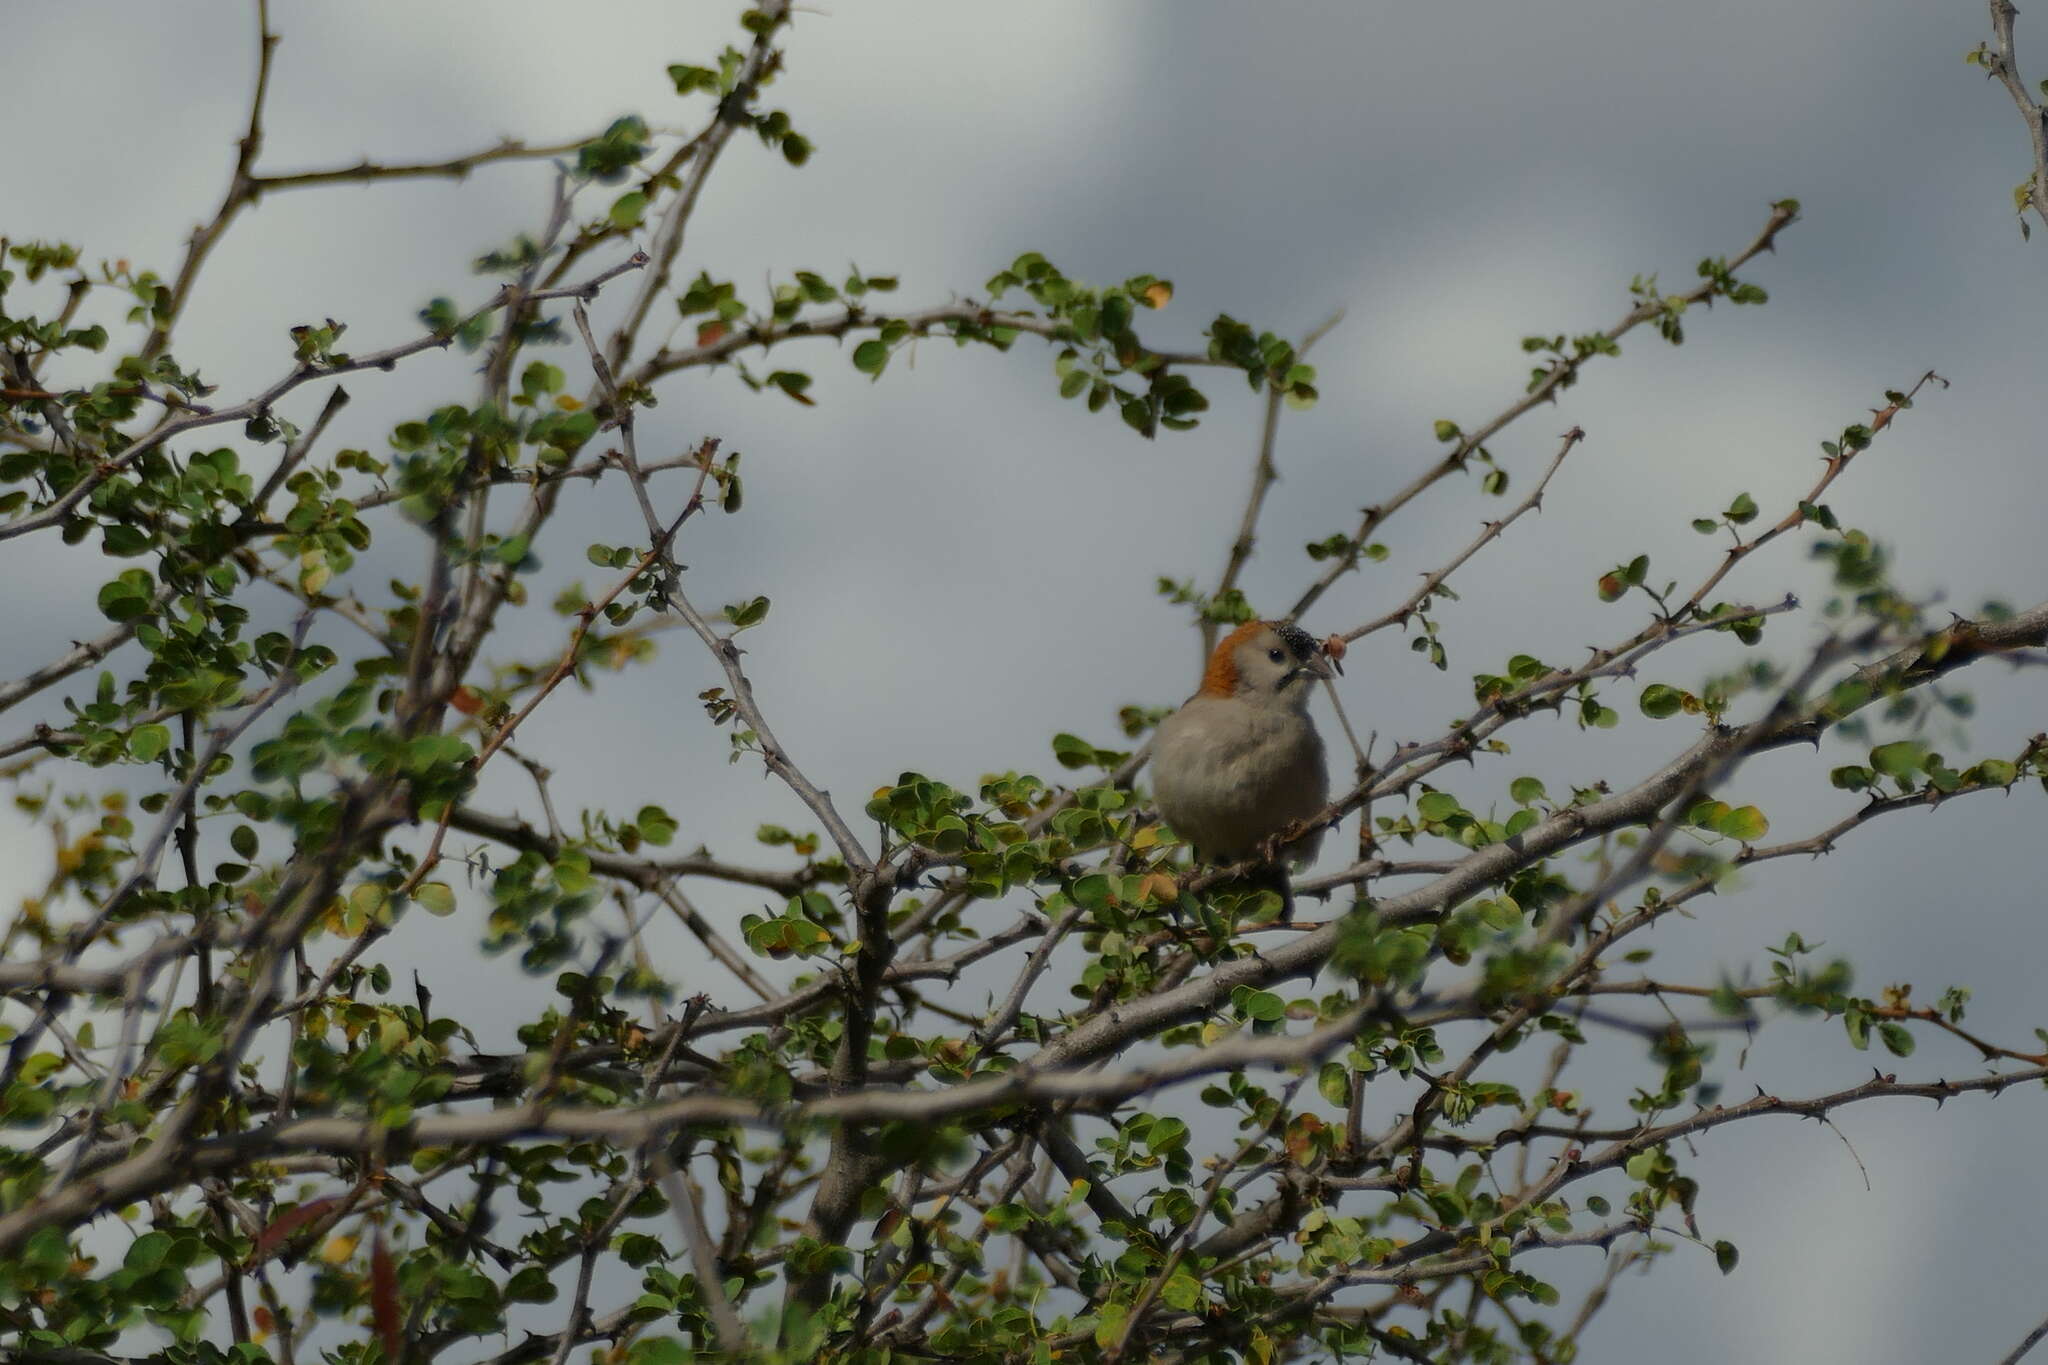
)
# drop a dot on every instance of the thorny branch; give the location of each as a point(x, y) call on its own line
point(303, 373)
point(1265, 473)
point(1562, 372)
point(2003, 65)
point(1030, 1083)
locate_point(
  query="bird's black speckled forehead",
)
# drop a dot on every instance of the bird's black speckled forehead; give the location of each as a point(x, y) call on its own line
point(1303, 644)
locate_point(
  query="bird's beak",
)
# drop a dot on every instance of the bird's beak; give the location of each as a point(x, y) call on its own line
point(1318, 665)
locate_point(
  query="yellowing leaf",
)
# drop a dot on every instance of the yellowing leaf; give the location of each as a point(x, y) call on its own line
point(1159, 887)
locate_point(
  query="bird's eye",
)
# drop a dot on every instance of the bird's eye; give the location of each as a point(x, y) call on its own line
point(1277, 656)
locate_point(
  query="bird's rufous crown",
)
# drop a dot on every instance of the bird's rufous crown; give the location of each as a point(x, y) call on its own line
point(1220, 679)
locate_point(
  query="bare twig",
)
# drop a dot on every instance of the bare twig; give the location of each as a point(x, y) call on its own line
point(208, 236)
point(1265, 473)
point(1490, 532)
point(725, 1320)
point(454, 168)
point(2004, 65)
point(668, 233)
point(1561, 373)
point(2027, 1343)
point(81, 655)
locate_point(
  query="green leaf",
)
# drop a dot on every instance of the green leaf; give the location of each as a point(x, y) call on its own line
point(1659, 701)
point(128, 596)
point(1900, 759)
point(870, 357)
point(1333, 1083)
point(1072, 751)
point(145, 742)
point(1182, 1291)
point(1500, 914)
point(1265, 1007)
point(659, 1350)
point(628, 209)
point(1746, 823)
point(656, 825)
point(1526, 791)
point(689, 78)
point(540, 378)
point(1994, 772)
point(147, 1252)
point(1169, 1134)
point(123, 540)
point(1706, 526)
point(1742, 510)
point(1447, 430)
point(793, 383)
point(572, 870)
point(530, 1284)
point(436, 898)
point(1898, 1039)
point(1006, 1217)
point(1437, 806)
point(1706, 813)
point(1725, 1256)
point(744, 614)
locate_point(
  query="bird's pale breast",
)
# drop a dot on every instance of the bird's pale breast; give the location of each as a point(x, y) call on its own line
point(1229, 775)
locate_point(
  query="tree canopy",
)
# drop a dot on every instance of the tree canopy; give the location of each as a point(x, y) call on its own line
point(995, 1071)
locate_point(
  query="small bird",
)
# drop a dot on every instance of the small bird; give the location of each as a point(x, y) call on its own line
point(1241, 763)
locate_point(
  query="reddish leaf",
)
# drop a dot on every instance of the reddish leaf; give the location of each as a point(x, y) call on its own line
point(466, 700)
point(290, 1221)
point(384, 1298)
point(1301, 1137)
point(710, 332)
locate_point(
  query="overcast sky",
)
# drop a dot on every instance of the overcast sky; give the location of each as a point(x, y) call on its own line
point(961, 565)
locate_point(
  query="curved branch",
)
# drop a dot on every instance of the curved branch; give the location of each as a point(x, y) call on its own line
point(306, 372)
point(1782, 216)
point(2004, 65)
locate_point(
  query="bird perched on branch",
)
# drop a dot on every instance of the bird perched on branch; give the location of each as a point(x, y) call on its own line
point(1240, 764)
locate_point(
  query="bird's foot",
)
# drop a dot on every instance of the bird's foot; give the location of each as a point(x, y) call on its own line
point(1270, 847)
